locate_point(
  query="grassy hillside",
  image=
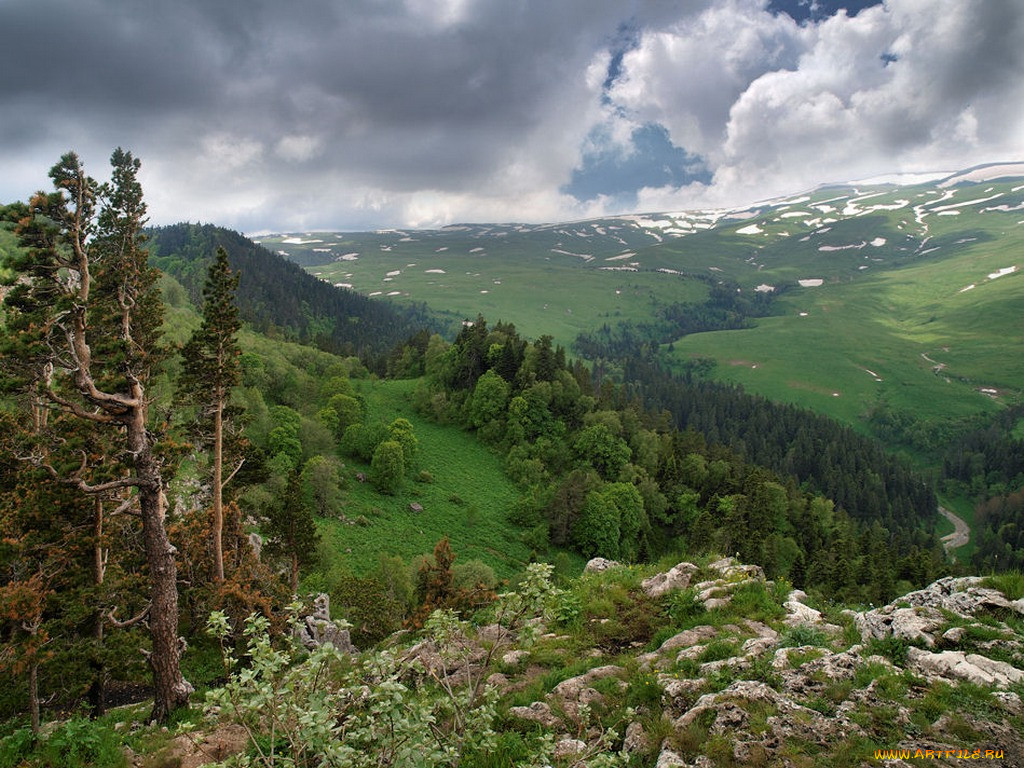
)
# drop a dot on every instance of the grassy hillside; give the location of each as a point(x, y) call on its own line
point(467, 499)
point(905, 298)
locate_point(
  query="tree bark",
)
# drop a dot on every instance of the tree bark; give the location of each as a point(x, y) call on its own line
point(98, 689)
point(170, 689)
point(218, 491)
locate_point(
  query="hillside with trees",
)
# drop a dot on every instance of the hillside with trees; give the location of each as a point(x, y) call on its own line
point(180, 483)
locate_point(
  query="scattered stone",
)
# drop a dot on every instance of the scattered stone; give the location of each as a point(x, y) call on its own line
point(954, 635)
point(538, 712)
point(677, 577)
point(687, 638)
point(669, 759)
point(571, 688)
point(415, 507)
point(730, 568)
point(635, 739)
point(514, 658)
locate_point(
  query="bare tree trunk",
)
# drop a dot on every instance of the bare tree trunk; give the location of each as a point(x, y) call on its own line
point(171, 690)
point(218, 491)
point(295, 573)
point(98, 689)
point(33, 694)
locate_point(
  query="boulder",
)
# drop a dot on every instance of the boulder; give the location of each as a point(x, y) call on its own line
point(669, 759)
point(599, 565)
point(917, 624)
point(732, 569)
point(569, 748)
point(539, 713)
point(318, 629)
point(957, 665)
point(635, 739)
point(571, 688)
point(688, 637)
point(678, 577)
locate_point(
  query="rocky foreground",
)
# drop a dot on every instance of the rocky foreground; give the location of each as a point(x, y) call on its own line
point(712, 665)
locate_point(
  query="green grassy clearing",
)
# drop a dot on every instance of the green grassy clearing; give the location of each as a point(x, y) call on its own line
point(468, 500)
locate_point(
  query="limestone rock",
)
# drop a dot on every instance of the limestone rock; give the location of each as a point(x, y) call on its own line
point(687, 638)
point(600, 565)
point(513, 658)
point(677, 577)
point(571, 688)
point(669, 759)
point(538, 712)
point(918, 623)
point(957, 665)
point(635, 739)
point(318, 629)
point(730, 568)
point(569, 747)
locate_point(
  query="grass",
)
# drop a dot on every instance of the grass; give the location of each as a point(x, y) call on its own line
point(891, 326)
point(468, 500)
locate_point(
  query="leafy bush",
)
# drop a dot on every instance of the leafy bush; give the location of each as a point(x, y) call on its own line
point(77, 743)
point(377, 708)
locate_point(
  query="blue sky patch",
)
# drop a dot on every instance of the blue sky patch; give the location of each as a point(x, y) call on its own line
point(654, 162)
point(803, 11)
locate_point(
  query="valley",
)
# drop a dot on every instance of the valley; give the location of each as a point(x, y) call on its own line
point(895, 297)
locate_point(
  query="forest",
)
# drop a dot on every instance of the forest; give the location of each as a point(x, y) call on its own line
point(160, 464)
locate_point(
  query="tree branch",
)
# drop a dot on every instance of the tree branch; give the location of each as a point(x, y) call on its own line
point(129, 622)
point(233, 473)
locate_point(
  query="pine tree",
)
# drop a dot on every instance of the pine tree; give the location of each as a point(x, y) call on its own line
point(211, 369)
point(290, 528)
point(81, 338)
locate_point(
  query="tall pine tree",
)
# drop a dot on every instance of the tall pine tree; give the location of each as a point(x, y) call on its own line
point(211, 369)
point(81, 337)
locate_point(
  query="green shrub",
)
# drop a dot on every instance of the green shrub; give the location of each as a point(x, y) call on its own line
point(804, 634)
point(682, 605)
point(893, 648)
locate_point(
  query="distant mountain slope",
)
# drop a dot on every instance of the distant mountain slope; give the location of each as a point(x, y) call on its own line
point(277, 296)
point(894, 304)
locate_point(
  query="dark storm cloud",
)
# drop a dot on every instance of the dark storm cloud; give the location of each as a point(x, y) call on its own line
point(328, 113)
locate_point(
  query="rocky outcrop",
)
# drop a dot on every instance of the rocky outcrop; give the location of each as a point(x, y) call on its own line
point(317, 628)
point(677, 577)
point(957, 665)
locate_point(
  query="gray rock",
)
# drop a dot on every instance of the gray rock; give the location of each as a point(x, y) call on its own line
point(730, 568)
point(513, 658)
point(318, 629)
point(569, 748)
point(635, 739)
point(918, 623)
point(669, 759)
point(687, 638)
point(678, 577)
point(957, 665)
point(571, 688)
point(538, 712)
point(600, 565)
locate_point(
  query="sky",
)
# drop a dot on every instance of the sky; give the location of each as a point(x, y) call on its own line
point(270, 116)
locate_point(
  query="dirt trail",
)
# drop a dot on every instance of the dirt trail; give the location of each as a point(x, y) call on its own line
point(960, 536)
